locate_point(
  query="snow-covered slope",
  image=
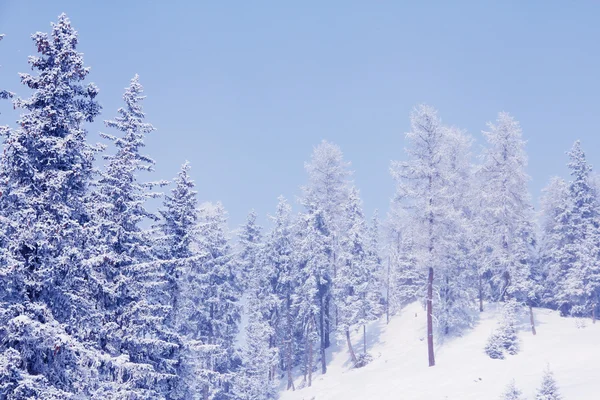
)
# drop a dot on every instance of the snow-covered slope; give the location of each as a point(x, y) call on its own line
point(399, 371)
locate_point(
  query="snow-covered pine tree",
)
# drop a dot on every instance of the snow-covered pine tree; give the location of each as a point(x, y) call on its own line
point(187, 282)
point(424, 191)
point(512, 392)
point(256, 377)
point(220, 298)
point(554, 261)
point(578, 291)
point(313, 281)
point(279, 260)
point(505, 339)
point(549, 388)
point(134, 329)
point(253, 381)
point(457, 277)
point(405, 279)
point(250, 242)
point(356, 285)
point(48, 313)
point(326, 191)
point(506, 211)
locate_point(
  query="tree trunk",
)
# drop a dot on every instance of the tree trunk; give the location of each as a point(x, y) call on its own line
point(322, 344)
point(289, 338)
point(350, 349)
point(365, 339)
point(480, 293)
point(205, 392)
point(323, 361)
point(430, 318)
point(594, 314)
point(387, 290)
point(327, 321)
point(310, 356)
point(531, 320)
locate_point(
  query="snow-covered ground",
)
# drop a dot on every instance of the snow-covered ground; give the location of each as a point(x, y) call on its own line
point(399, 371)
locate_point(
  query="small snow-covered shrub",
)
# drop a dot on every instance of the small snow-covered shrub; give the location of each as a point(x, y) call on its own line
point(362, 360)
point(549, 389)
point(505, 338)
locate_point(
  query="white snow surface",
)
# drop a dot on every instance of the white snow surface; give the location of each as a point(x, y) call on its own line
point(399, 371)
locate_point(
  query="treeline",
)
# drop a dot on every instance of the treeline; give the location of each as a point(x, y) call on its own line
point(93, 305)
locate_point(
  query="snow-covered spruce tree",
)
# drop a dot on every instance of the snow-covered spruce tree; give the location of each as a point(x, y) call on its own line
point(312, 282)
point(578, 285)
point(506, 211)
point(187, 283)
point(404, 279)
point(255, 379)
point(48, 313)
point(250, 242)
point(426, 188)
point(326, 192)
point(375, 259)
point(356, 285)
point(512, 392)
point(220, 313)
point(552, 257)
point(278, 258)
point(260, 279)
point(549, 388)
point(457, 277)
point(121, 253)
point(505, 338)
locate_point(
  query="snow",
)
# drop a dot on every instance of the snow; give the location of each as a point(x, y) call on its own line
point(463, 371)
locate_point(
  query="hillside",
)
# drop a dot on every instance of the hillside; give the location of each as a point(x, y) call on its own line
point(399, 370)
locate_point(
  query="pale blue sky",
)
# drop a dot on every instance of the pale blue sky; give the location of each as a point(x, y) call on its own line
point(244, 90)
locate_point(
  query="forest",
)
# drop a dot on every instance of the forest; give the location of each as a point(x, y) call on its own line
point(103, 297)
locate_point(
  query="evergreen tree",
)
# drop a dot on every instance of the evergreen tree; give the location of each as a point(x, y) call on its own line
point(552, 257)
point(506, 211)
point(579, 289)
point(256, 380)
point(220, 314)
point(505, 339)
point(250, 241)
point(312, 283)
point(358, 297)
point(549, 389)
point(133, 328)
point(279, 260)
point(47, 311)
point(512, 392)
point(325, 194)
point(426, 187)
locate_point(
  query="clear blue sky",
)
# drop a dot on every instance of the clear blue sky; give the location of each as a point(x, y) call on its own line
point(244, 90)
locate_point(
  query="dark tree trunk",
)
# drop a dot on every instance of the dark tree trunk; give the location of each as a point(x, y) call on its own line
point(289, 348)
point(365, 339)
point(430, 318)
point(327, 321)
point(310, 355)
point(324, 335)
point(594, 314)
point(205, 392)
point(323, 361)
point(387, 290)
point(350, 349)
point(288, 366)
point(480, 293)
point(531, 320)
